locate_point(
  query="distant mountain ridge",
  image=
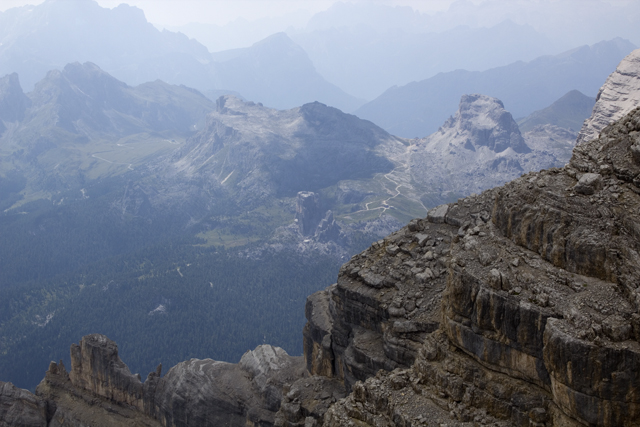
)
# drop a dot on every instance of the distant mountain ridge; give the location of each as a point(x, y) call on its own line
point(36, 39)
point(568, 112)
point(417, 109)
point(346, 55)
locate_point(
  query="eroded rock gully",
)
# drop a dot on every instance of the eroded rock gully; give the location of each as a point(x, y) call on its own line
point(518, 306)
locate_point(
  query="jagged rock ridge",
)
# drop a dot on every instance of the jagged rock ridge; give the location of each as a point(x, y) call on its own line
point(539, 312)
point(100, 389)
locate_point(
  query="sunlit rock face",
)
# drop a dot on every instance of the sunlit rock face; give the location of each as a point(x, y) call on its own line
point(618, 96)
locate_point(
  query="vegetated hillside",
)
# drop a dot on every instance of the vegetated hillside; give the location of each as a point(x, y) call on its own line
point(116, 206)
point(115, 219)
point(36, 39)
point(418, 108)
point(80, 124)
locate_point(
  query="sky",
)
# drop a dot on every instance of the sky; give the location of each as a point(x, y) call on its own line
point(568, 23)
point(220, 12)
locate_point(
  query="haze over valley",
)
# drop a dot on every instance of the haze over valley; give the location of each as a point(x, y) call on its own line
point(182, 182)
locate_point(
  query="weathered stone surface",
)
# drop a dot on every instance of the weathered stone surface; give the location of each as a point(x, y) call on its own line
point(20, 408)
point(539, 320)
point(307, 400)
point(96, 367)
point(618, 96)
point(308, 213)
point(72, 406)
point(101, 391)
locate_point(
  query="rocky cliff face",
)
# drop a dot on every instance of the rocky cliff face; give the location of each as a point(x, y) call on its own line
point(100, 389)
point(13, 102)
point(478, 148)
point(619, 95)
point(537, 321)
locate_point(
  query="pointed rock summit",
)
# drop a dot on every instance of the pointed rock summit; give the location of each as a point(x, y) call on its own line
point(478, 148)
point(481, 121)
point(617, 97)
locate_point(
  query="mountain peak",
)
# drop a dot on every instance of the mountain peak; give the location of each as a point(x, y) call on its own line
point(13, 101)
point(567, 112)
point(482, 121)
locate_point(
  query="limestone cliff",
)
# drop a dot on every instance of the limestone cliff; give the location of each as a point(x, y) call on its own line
point(619, 95)
point(538, 320)
point(100, 390)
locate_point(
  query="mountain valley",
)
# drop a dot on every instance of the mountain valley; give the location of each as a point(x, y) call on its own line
point(461, 250)
point(510, 307)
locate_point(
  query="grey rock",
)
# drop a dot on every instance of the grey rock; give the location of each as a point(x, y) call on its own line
point(588, 184)
point(617, 97)
point(438, 214)
point(21, 408)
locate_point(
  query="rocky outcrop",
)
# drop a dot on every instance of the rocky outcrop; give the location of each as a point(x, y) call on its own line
point(537, 322)
point(196, 392)
point(552, 140)
point(478, 148)
point(13, 102)
point(311, 220)
point(96, 367)
point(308, 213)
point(618, 96)
point(20, 408)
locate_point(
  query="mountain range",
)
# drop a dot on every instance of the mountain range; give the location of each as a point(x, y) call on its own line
point(99, 176)
point(510, 307)
point(417, 109)
point(36, 39)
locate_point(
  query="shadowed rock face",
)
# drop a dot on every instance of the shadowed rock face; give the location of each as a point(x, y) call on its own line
point(96, 367)
point(20, 408)
point(256, 152)
point(13, 102)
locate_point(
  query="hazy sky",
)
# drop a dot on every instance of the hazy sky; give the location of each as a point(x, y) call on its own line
point(568, 22)
point(178, 12)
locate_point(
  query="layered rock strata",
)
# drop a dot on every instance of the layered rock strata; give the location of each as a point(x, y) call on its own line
point(538, 321)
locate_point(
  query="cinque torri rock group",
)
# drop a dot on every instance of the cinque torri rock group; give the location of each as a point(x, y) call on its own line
point(519, 306)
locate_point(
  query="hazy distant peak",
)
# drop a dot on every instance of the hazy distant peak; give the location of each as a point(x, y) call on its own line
point(278, 41)
point(481, 121)
point(568, 112)
point(13, 101)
